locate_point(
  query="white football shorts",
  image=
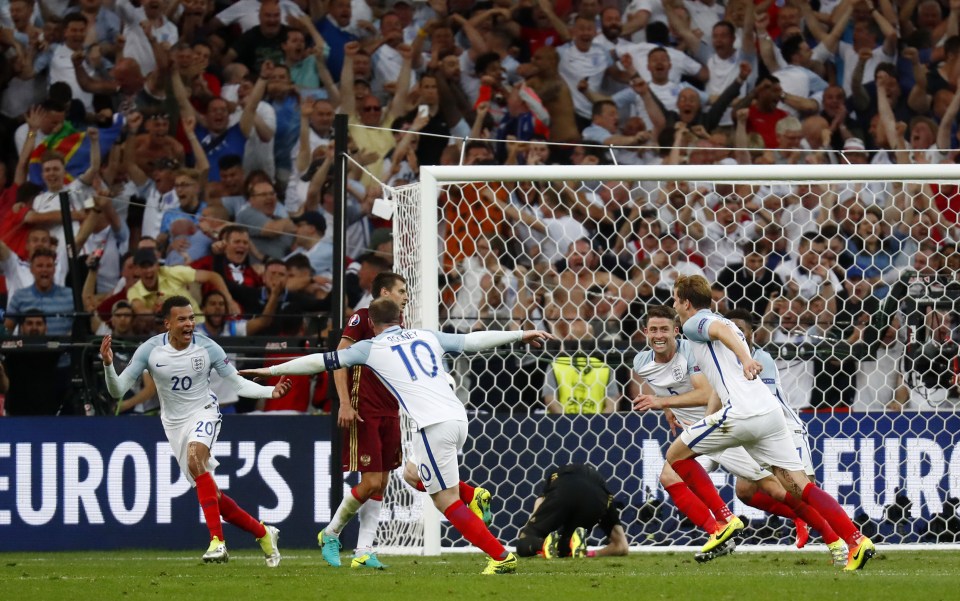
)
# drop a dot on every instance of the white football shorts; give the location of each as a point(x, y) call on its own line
point(764, 437)
point(203, 427)
point(436, 452)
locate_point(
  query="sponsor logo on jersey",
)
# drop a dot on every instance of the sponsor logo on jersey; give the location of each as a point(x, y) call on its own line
point(198, 364)
point(354, 320)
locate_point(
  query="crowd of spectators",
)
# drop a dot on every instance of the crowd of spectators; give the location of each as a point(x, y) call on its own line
point(193, 143)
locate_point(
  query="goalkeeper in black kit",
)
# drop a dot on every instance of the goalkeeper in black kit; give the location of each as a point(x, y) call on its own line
point(575, 498)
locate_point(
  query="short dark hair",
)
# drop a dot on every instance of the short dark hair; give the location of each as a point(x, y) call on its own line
point(376, 260)
point(730, 27)
point(52, 104)
point(658, 33)
point(475, 144)
point(384, 311)
point(229, 161)
point(385, 279)
point(767, 77)
point(888, 68)
point(598, 107)
point(44, 252)
point(52, 155)
point(298, 261)
point(74, 17)
point(174, 301)
point(286, 35)
point(273, 261)
point(233, 228)
point(790, 47)
point(662, 311)
point(810, 238)
point(210, 294)
point(485, 60)
point(760, 247)
point(658, 49)
point(32, 312)
point(741, 314)
point(694, 288)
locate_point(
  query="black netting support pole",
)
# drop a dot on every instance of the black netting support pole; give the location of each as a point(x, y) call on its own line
point(81, 325)
point(337, 306)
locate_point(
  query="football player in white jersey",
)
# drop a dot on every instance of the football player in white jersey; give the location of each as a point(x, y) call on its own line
point(180, 362)
point(670, 380)
point(669, 370)
point(410, 364)
point(747, 415)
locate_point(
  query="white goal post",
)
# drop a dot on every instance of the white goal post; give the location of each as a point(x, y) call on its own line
point(871, 459)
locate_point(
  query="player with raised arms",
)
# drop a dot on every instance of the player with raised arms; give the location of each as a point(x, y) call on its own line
point(409, 362)
point(669, 370)
point(370, 416)
point(744, 412)
point(180, 362)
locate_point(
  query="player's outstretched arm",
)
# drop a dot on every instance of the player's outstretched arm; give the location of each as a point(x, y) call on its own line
point(481, 341)
point(252, 390)
point(117, 386)
point(315, 363)
point(301, 366)
point(751, 367)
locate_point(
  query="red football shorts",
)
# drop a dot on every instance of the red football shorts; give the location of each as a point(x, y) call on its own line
point(372, 445)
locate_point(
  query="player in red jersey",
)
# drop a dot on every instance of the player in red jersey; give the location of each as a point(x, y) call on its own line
point(370, 418)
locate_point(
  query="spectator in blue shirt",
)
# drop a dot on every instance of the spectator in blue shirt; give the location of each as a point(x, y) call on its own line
point(56, 302)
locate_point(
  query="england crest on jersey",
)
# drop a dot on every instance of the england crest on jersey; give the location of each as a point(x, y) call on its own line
point(198, 364)
point(678, 372)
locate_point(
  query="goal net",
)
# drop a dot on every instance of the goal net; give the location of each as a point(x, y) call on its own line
point(849, 273)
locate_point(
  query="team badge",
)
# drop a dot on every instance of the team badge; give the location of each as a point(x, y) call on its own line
point(198, 364)
point(354, 320)
point(677, 373)
point(364, 460)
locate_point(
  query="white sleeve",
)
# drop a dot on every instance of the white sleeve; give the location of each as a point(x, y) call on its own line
point(248, 389)
point(117, 386)
point(127, 13)
point(317, 362)
point(232, 13)
point(9, 265)
point(479, 341)
point(301, 366)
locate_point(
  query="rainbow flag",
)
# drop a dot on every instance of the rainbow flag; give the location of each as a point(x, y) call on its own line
point(75, 148)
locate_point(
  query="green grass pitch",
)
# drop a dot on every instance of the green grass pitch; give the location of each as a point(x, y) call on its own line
point(774, 576)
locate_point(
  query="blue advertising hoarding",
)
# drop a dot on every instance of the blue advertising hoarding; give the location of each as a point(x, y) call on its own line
point(111, 483)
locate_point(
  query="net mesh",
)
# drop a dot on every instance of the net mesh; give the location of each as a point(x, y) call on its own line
point(852, 287)
point(401, 519)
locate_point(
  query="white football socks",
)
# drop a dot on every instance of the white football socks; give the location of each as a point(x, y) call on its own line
point(345, 512)
point(369, 520)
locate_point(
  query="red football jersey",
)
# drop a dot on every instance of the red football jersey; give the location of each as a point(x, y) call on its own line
point(368, 396)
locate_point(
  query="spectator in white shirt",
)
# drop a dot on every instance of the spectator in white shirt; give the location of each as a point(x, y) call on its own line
point(724, 65)
point(61, 63)
point(141, 25)
point(581, 59)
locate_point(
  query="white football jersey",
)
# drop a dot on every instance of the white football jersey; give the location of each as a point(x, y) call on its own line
point(182, 377)
point(671, 378)
point(771, 377)
point(723, 369)
point(410, 364)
